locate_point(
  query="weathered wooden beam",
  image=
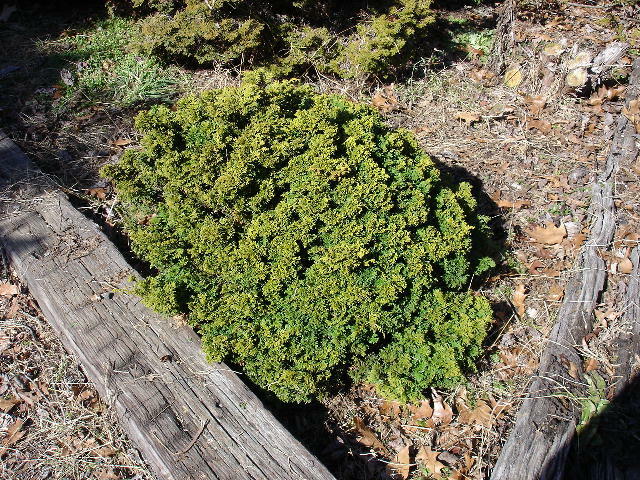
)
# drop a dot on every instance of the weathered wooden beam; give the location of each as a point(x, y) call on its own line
point(539, 443)
point(189, 418)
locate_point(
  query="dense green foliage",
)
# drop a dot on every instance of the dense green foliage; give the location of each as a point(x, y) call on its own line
point(344, 38)
point(304, 237)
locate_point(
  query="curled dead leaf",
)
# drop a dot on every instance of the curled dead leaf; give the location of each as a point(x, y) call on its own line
point(625, 266)
point(590, 364)
point(632, 112)
point(121, 142)
point(535, 266)
point(480, 415)
point(481, 74)
point(422, 411)
point(104, 451)
point(98, 192)
point(390, 409)
point(516, 204)
point(556, 292)
point(13, 435)
point(6, 405)
point(535, 104)
point(442, 413)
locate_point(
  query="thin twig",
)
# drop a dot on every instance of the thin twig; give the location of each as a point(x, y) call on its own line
point(195, 438)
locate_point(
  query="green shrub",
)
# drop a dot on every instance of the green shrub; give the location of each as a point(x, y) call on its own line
point(303, 237)
point(288, 36)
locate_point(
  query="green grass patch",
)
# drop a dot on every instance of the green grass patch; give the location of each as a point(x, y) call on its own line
point(101, 68)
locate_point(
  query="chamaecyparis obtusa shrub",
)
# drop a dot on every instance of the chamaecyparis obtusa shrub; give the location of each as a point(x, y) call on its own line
point(347, 39)
point(304, 239)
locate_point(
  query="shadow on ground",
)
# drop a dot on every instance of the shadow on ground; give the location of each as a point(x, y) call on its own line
point(606, 444)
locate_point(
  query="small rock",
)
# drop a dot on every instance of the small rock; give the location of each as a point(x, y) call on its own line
point(532, 313)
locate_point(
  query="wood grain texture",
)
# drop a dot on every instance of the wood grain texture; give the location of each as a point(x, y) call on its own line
point(538, 445)
point(189, 418)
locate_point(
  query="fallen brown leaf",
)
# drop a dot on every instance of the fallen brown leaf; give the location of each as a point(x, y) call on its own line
point(390, 409)
point(13, 436)
point(401, 464)
point(468, 117)
point(6, 405)
point(517, 204)
point(590, 364)
point(543, 126)
point(480, 415)
point(632, 112)
point(625, 266)
point(107, 474)
point(13, 309)
point(574, 371)
point(367, 437)
point(429, 459)
point(550, 235)
point(534, 266)
point(8, 289)
point(98, 192)
point(421, 411)
point(535, 104)
point(556, 292)
point(518, 299)
point(121, 142)
point(385, 100)
point(105, 451)
point(481, 74)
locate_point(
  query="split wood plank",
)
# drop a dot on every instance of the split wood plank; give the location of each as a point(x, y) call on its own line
point(539, 443)
point(190, 419)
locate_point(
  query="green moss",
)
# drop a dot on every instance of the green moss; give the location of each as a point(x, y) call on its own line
point(303, 237)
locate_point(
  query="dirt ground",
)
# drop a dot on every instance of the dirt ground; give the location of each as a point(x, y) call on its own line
point(531, 145)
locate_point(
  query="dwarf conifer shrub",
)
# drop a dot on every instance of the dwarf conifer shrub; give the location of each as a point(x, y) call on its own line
point(290, 37)
point(304, 239)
